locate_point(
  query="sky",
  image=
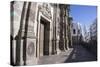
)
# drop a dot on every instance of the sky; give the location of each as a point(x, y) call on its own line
point(83, 14)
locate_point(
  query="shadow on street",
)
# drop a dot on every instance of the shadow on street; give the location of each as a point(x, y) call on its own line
point(80, 54)
point(75, 54)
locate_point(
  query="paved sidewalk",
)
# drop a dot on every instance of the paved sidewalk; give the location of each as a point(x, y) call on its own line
point(81, 54)
point(53, 59)
point(77, 54)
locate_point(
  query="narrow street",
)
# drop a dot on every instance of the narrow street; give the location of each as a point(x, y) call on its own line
point(80, 54)
point(77, 54)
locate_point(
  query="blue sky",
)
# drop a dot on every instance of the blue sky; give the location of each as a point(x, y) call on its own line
point(83, 14)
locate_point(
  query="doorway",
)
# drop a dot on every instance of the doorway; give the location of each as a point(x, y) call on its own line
point(44, 37)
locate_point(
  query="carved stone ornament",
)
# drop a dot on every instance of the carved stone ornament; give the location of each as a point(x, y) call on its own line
point(46, 10)
point(30, 49)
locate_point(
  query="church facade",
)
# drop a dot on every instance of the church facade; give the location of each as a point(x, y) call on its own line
point(38, 29)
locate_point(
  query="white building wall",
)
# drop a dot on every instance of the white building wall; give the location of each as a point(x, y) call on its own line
point(93, 30)
point(77, 27)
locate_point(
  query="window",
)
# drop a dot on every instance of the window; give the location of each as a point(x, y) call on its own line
point(74, 31)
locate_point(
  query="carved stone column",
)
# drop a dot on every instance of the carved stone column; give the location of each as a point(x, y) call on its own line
point(70, 26)
point(61, 43)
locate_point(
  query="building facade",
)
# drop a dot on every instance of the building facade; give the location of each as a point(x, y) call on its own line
point(86, 35)
point(93, 36)
point(87, 38)
point(38, 29)
point(93, 30)
point(76, 33)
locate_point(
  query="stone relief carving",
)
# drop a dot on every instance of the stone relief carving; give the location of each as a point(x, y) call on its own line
point(46, 10)
point(30, 49)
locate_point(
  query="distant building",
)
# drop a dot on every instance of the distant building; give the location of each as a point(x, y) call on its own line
point(93, 36)
point(86, 35)
point(76, 33)
point(93, 30)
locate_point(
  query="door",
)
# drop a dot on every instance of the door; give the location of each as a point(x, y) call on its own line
point(44, 37)
point(41, 39)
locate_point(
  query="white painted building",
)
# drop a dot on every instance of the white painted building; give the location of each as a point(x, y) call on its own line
point(91, 33)
point(76, 32)
point(86, 34)
point(93, 30)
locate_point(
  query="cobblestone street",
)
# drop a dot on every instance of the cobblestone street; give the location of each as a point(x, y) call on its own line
point(77, 54)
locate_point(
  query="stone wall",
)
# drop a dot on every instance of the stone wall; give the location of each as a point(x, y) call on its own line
point(26, 35)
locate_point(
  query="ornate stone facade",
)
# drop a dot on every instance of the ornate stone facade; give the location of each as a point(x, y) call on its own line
point(42, 29)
